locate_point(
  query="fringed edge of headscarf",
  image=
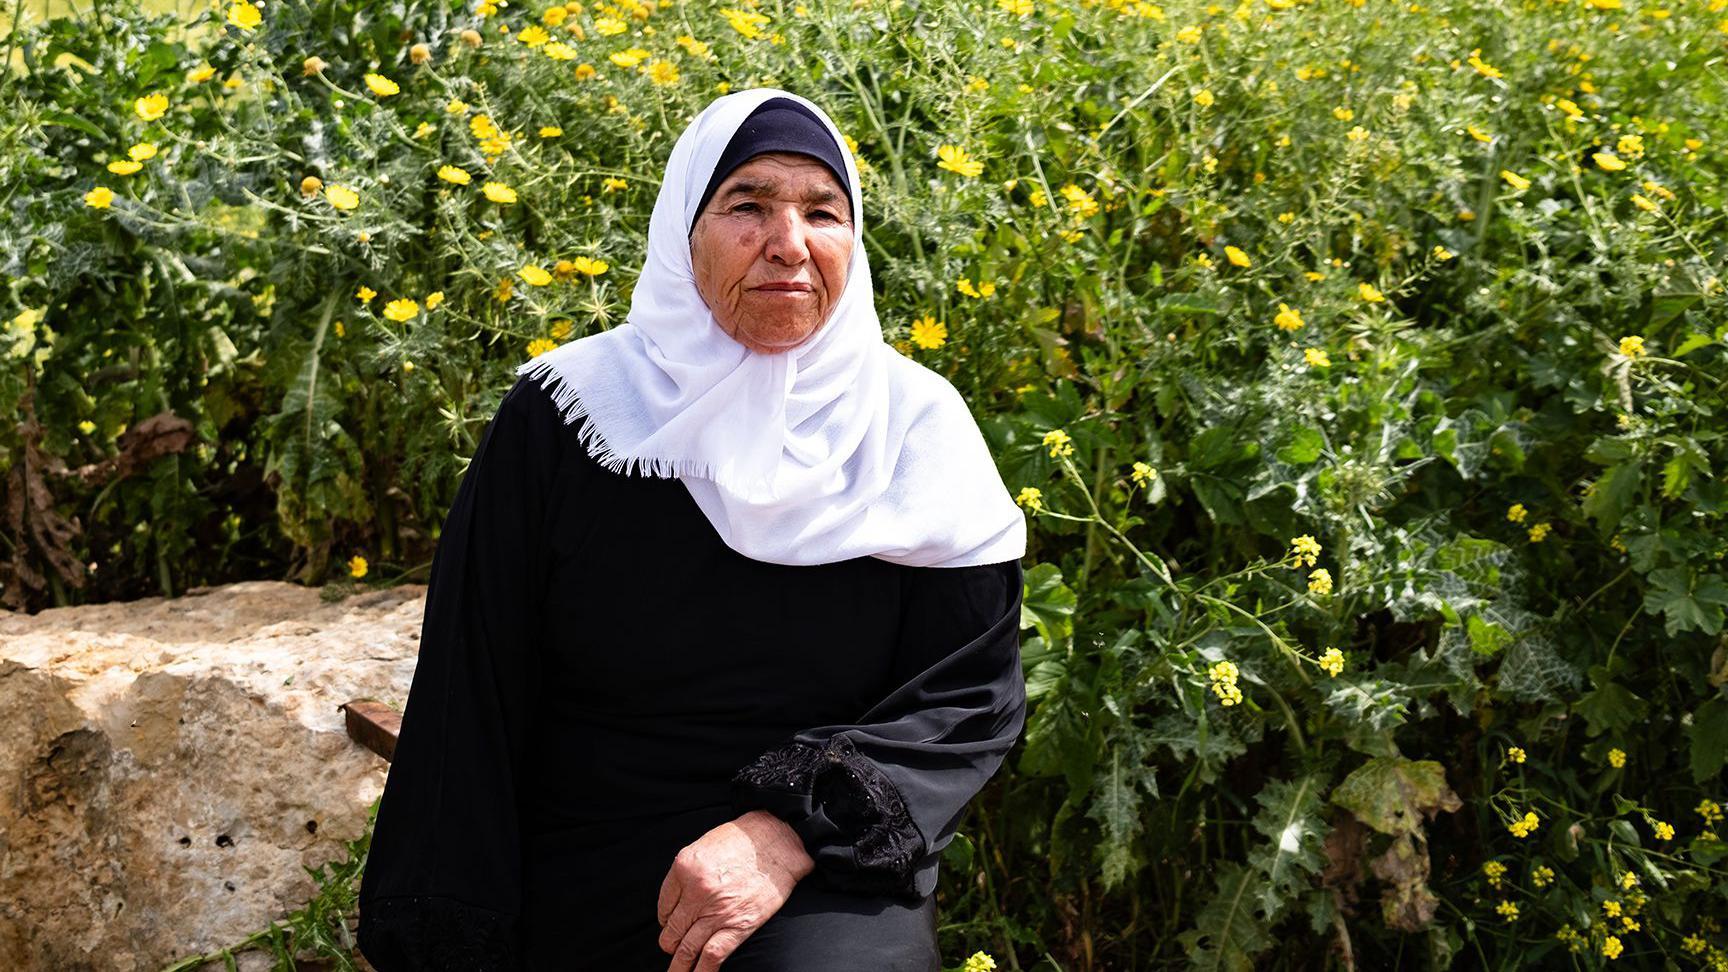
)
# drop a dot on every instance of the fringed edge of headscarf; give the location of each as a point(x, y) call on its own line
point(569, 403)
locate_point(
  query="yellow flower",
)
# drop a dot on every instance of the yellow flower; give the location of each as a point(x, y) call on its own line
point(955, 159)
point(1189, 34)
point(451, 173)
point(401, 309)
point(540, 346)
point(365, 294)
point(1516, 754)
point(553, 16)
point(1357, 134)
point(1514, 180)
point(1316, 358)
point(1494, 871)
point(381, 86)
point(142, 152)
point(1516, 512)
point(1542, 875)
point(342, 197)
point(1079, 200)
point(535, 275)
point(1370, 293)
point(1608, 161)
point(407, 366)
point(200, 74)
point(550, 131)
point(1523, 828)
point(628, 58)
point(1237, 257)
point(609, 26)
point(611, 182)
point(979, 962)
point(1059, 444)
point(1142, 473)
point(151, 107)
point(694, 47)
point(1442, 254)
point(1017, 8)
point(662, 72)
point(1617, 757)
point(1664, 831)
point(124, 166)
point(1332, 662)
point(1343, 114)
point(1484, 68)
point(1305, 549)
point(746, 22)
point(243, 15)
point(533, 35)
point(1710, 810)
point(1611, 947)
point(357, 566)
point(1205, 98)
point(433, 299)
point(929, 333)
point(1539, 532)
point(1288, 319)
point(499, 193)
point(1031, 497)
point(589, 266)
point(99, 198)
point(1643, 203)
point(86, 426)
point(1628, 881)
point(1478, 134)
point(1508, 909)
point(1632, 145)
point(559, 51)
point(1320, 581)
point(456, 106)
point(1223, 675)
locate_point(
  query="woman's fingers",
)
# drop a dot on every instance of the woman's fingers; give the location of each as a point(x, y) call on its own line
point(694, 946)
point(720, 945)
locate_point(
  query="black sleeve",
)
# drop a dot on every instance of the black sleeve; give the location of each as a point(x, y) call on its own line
point(442, 881)
point(876, 802)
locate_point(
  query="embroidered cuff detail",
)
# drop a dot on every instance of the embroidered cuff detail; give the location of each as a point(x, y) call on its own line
point(429, 933)
point(852, 819)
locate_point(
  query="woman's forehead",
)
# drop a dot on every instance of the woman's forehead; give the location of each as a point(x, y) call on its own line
point(784, 171)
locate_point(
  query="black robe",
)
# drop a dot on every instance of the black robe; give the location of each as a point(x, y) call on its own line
point(601, 680)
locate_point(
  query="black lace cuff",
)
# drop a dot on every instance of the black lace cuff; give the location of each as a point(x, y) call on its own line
point(852, 819)
point(421, 933)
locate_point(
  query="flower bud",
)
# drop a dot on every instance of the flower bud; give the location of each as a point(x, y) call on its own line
point(313, 65)
point(419, 53)
point(471, 37)
point(310, 186)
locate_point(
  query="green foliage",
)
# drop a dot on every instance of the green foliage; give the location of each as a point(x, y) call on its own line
point(1435, 288)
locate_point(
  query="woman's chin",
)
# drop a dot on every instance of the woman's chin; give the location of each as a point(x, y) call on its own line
point(773, 340)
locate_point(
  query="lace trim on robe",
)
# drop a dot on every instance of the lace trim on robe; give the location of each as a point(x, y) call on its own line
point(856, 798)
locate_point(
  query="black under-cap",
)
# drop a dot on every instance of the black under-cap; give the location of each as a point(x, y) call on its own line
point(777, 125)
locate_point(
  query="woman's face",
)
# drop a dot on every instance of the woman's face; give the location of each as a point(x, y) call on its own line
point(771, 248)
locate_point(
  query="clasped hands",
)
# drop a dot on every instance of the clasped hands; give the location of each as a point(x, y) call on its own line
point(725, 885)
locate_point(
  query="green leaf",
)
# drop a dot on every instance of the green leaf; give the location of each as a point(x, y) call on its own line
point(1486, 637)
point(1614, 494)
point(70, 120)
point(1294, 852)
point(1227, 935)
point(1304, 447)
point(1391, 794)
point(1610, 706)
point(1688, 601)
point(1709, 740)
point(1048, 604)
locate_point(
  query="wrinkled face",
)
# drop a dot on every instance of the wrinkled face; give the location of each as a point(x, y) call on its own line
point(771, 249)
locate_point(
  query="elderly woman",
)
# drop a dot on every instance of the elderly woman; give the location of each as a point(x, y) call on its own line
point(722, 628)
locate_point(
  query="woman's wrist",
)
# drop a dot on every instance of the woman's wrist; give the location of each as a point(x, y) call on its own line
point(779, 842)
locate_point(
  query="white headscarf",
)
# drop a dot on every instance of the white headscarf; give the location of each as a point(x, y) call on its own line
point(838, 448)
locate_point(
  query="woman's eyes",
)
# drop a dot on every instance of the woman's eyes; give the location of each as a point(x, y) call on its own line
point(753, 207)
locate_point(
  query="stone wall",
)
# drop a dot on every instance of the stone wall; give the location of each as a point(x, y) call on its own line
point(169, 765)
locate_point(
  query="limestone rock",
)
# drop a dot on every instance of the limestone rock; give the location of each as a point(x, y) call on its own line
point(169, 765)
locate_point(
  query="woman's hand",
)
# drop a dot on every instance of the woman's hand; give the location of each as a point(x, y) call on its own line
point(725, 886)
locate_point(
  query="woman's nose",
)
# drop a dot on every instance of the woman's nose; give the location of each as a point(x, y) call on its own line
point(785, 242)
